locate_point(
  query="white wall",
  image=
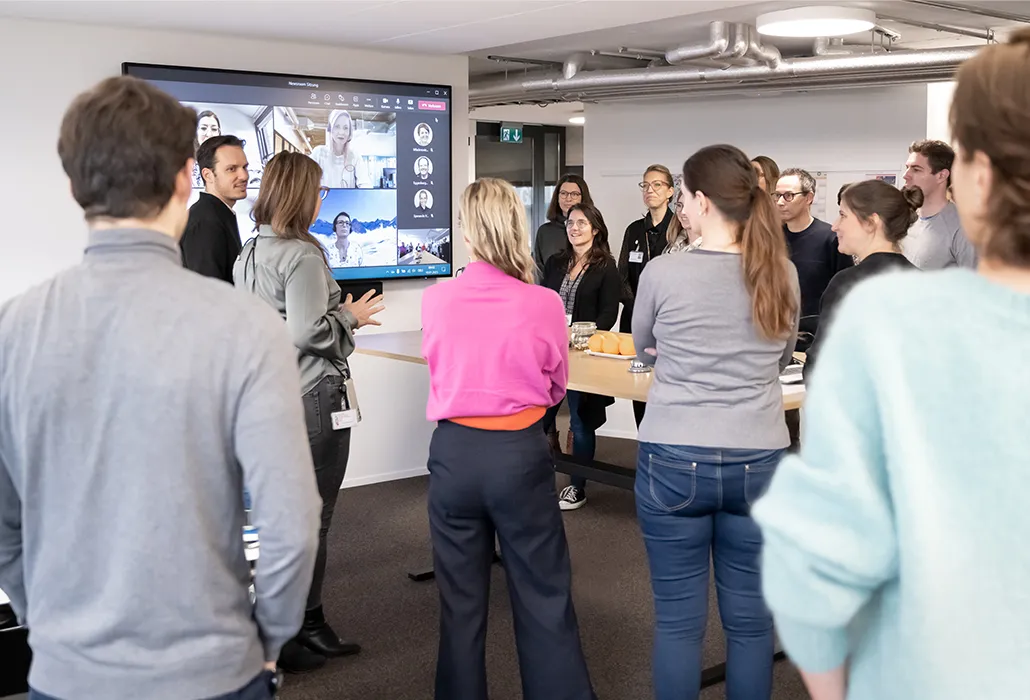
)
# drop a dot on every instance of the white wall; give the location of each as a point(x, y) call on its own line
point(574, 145)
point(47, 64)
point(938, 104)
point(850, 132)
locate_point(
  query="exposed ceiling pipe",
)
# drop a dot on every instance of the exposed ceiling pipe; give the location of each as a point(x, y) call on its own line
point(769, 55)
point(574, 64)
point(969, 9)
point(829, 46)
point(985, 34)
point(897, 67)
point(526, 61)
point(717, 46)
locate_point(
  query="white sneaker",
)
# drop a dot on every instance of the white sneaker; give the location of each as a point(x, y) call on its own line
point(571, 498)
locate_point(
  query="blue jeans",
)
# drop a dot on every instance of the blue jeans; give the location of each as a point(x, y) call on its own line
point(584, 440)
point(258, 689)
point(694, 505)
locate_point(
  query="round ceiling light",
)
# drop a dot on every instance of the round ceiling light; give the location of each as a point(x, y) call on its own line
point(811, 22)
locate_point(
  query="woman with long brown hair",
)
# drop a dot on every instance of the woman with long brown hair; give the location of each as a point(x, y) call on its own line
point(719, 324)
point(285, 266)
point(587, 279)
point(895, 557)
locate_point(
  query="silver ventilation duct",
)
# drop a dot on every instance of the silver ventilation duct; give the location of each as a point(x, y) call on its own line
point(773, 74)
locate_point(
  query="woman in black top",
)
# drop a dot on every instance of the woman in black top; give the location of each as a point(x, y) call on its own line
point(550, 238)
point(874, 217)
point(645, 239)
point(587, 279)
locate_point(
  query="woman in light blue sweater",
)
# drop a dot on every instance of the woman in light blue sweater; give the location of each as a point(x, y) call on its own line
point(895, 559)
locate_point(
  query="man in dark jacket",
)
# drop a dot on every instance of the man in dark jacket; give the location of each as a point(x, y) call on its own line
point(211, 242)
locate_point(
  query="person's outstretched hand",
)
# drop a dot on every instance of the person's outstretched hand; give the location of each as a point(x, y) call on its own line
point(364, 308)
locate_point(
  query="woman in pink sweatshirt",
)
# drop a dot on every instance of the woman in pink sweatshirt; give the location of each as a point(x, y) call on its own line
point(497, 348)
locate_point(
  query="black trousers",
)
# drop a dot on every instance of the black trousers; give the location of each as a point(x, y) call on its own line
point(329, 450)
point(638, 412)
point(484, 484)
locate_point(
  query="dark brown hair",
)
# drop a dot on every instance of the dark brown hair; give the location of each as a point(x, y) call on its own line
point(770, 170)
point(896, 209)
point(989, 114)
point(724, 174)
point(938, 154)
point(207, 154)
point(123, 144)
point(600, 253)
point(554, 209)
point(288, 197)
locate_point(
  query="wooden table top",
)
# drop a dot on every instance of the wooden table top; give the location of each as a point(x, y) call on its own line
point(593, 375)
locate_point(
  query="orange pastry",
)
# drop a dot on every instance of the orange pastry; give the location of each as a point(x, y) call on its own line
point(611, 344)
point(626, 346)
point(596, 343)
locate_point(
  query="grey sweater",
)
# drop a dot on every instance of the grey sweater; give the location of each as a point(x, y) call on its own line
point(137, 401)
point(292, 277)
point(716, 379)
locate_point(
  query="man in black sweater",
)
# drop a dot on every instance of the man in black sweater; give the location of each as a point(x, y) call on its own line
point(812, 245)
point(211, 242)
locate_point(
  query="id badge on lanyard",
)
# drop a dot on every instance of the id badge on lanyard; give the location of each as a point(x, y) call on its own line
point(349, 413)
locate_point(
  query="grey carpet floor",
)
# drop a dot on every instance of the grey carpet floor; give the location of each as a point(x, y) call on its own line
point(381, 532)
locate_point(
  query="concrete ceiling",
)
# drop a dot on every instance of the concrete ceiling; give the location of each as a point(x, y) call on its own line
point(423, 26)
point(684, 29)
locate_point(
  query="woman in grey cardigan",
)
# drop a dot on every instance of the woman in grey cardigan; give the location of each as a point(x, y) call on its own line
point(286, 267)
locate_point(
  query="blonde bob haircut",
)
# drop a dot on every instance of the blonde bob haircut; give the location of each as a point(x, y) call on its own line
point(493, 221)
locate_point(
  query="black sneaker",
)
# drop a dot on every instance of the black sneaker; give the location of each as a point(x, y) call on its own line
point(571, 498)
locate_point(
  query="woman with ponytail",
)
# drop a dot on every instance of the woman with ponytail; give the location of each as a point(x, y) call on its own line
point(874, 218)
point(719, 324)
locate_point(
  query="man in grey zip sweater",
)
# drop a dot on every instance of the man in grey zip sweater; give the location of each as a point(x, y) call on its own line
point(137, 401)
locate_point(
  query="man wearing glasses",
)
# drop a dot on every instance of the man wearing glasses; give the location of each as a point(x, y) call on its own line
point(812, 245)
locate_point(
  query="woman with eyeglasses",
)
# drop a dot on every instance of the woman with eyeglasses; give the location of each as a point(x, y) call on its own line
point(345, 252)
point(490, 473)
point(285, 266)
point(645, 239)
point(895, 559)
point(551, 238)
point(587, 279)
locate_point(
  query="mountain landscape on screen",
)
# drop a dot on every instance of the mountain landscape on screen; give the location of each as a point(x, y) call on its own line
point(322, 227)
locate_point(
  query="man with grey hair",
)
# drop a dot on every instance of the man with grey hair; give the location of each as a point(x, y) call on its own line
point(812, 244)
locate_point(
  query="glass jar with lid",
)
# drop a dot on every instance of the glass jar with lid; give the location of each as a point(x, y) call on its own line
point(580, 334)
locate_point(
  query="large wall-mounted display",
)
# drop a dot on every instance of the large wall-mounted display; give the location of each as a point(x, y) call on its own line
point(384, 148)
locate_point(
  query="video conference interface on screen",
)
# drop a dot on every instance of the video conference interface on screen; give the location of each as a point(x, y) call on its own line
point(384, 149)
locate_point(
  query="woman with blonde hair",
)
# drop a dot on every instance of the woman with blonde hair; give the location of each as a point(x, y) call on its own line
point(285, 266)
point(497, 349)
point(342, 166)
point(895, 560)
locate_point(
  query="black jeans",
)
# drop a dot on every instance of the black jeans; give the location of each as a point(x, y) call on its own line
point(485, 484)
point(329, 450)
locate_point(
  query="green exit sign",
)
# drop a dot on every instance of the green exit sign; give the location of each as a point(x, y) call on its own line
point(511, 133)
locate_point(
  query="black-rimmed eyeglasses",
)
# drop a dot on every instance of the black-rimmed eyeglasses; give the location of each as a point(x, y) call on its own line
point(787, 197)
